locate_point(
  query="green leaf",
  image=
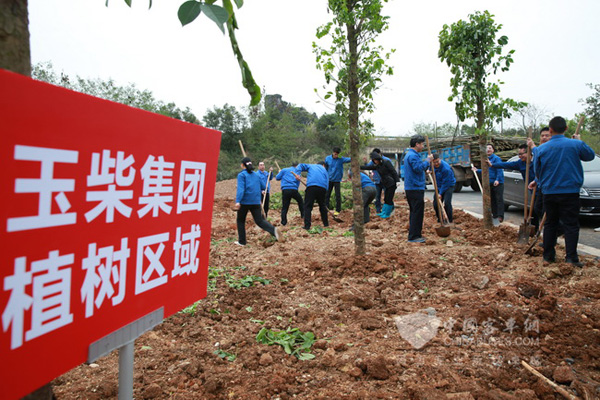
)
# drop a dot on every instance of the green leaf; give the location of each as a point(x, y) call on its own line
point(216, 13)
point(239, 3)
point(188, 12)
point(305, 356)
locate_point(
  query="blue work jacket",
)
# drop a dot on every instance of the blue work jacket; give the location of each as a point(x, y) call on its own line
point(249, 188)
point(558, 164)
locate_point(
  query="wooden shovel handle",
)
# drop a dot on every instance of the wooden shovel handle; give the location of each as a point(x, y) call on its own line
point(262, 206)
point(242, 147)
point(477, 179)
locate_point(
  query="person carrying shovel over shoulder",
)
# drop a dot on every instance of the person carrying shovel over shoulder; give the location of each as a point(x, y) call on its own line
point(445, 179)
point(414, 187)
point(249, 189)
point(389, 177)
point(317, 182)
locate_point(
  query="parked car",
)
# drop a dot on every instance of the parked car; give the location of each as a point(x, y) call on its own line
point(514, 191)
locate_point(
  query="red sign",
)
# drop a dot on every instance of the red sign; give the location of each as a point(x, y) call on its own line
point(105, 217)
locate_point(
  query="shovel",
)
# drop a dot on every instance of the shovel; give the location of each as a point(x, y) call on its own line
point(444, 229)
point(331, 214)
point(262, 206)
point(525, 227)
point(537, 235)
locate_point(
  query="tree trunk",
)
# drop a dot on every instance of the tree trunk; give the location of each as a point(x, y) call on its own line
point(485, 174)
point(14, 37)
point(353, 132)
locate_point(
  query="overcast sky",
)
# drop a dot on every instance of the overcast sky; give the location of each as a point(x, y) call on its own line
point(556, 43)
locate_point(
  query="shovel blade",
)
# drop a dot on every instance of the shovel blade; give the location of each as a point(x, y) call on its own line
point(523, 234)
point(442, 231)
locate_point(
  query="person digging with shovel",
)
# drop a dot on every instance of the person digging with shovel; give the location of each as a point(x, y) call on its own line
point(249, 189)
point(414, 187)
point(289, 191)
point(368, 194)
point(317, 182)
point(389, 177)
point(444, 176)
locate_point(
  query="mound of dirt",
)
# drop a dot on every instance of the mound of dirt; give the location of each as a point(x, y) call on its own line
point(448, 319)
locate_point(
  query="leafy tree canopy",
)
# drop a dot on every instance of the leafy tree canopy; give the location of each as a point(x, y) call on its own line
point(361, 20)
point(107, 89)
point(474, 53)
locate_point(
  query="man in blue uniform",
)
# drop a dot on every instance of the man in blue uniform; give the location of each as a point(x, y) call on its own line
point(368, 193)
point(316, 190)
point(444, 177)
point(521, 166)
point(289, 191)
point(265, 177)
point(560, 174)
point(496, 184)
point(414, 187)
point(335, 168)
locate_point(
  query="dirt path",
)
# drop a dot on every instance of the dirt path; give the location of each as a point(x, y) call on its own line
point(448, 319)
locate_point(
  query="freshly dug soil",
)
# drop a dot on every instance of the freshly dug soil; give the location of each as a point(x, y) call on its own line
point(448, 319)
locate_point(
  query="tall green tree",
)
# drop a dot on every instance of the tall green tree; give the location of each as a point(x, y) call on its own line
point(354, 64)
point(473, 52)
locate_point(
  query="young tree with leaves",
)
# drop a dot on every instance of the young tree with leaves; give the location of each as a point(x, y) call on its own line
point(474, 54)
point(354, 64)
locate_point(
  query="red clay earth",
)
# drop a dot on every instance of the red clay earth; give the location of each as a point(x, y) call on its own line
point(472, 305)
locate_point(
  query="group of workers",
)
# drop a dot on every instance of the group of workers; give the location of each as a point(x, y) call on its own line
point(555, 174)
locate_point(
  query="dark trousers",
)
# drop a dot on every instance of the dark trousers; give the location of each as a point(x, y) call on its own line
point(312, 194)
point(538, 209)
point(538, 204)
point(338, 195)
point(416, 205)
point(368, 195)
point(561, 208)
point(379, 187)
point(497, 197)
point(286, 197)
point(262, 200)
point(258, 219)
point(388, 195)
point(447, 202)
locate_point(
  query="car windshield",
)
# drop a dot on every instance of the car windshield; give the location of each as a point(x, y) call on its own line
point(594, 165)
